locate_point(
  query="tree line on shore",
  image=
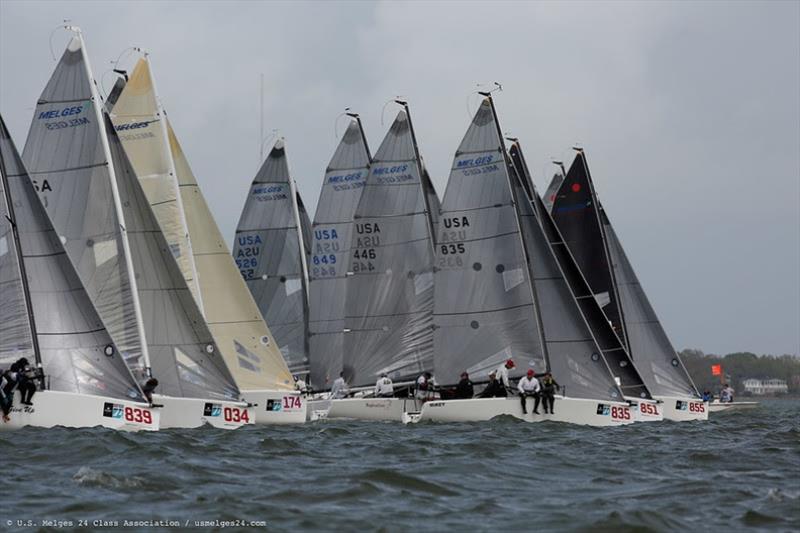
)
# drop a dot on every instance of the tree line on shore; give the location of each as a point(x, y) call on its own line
point(739, 366)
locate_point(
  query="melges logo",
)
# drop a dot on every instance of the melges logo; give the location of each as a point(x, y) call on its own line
point(212, 409)
point(55, 113)
point(603, 409)
point(131, 126)
point(274, 405)
point(478, 161)
point(112, 410)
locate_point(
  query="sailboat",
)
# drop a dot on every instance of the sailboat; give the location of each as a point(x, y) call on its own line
point(389, 289)
point(330, 251)
point(47, 316)
point(598, 252)
point(233, 318)
point(270, 250)
point(110, 234)
point(500, 294)
point(644, 407)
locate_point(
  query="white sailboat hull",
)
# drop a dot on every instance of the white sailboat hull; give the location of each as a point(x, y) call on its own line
point(646, 410)
point(683, 409)
point(717, 406)
point(386, 409)
point(196, 412)
point(571, 410)
point(277, 407)
point(68, 409)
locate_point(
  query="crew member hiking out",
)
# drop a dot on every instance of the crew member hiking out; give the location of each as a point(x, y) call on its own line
point(529, 386)
point(494, 389)
point(549, 387)
point(502, 373)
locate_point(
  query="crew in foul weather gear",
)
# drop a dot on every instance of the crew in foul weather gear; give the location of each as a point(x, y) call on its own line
point(149, 388)
point(549, 387)
point(384, 387)
point(502, 373)
point(425, 387)
point(464, 390)
point(494, 389)
point(726, 395)
point(707, 396)
point(529, 386)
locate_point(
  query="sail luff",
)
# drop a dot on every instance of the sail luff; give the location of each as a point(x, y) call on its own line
point(126, 250)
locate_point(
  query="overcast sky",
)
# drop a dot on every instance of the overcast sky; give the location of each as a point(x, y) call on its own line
point(689, 114)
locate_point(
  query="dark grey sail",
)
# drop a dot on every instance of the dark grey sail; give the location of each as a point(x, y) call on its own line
point(484, 307)
point(577, 333)
point(575, 213)
point(389, 290)
point(73, 347)
point(330, 252)
point(656, 359)
point(66, 151)
point(269, 251)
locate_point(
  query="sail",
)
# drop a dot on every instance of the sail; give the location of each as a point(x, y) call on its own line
point(68, 166)
point(389, 290)
point(67, 155)
point(75, 350)
point(269, 253)
point(236, 323)
point(434, 204)
point(138, 122)
point(659, 363)
point(575, 214)
point(552, 191)
point(330, 252)
point(484, 309)
point(584, 353)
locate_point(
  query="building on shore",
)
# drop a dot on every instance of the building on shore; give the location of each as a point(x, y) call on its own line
point(765, 387)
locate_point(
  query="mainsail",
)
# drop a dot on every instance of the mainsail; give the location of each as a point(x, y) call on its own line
point(655, 358)
point(577, 333)
point(484, 305)
point(270, 251)
point(330, 252)
point(238, 329)
point(98, 207)
point(389, 290)
point(577, 219)
point(137, 117)
point(73, 347)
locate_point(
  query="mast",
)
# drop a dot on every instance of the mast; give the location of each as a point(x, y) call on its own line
point(614, 286)
point(162, 119)
point(428, 220)
point(18, 246)
point(537, 310)
point(126, 249)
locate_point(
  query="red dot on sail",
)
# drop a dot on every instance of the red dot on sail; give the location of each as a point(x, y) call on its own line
point(576, 187)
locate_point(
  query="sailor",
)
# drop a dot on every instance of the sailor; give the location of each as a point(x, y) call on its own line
point(502, 373)
point(529, 386)
point(20, 376)
point(707, 396)
point(425, 386)
point(339, 387)
point(464, 390)
point(494, 389)
point(300, 384)
point(384, 387)
point(5, 401)
point(726, 395)
point(149, 388)
point(549, 387)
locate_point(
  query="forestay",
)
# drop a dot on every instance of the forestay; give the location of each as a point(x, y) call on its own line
point(137, 118)
point(75, 350)
point(67, 154)
point(330, 252)
point(269, 251)
point(484, 308)
point(389, 290)
point(584, 354)
point(232, 315)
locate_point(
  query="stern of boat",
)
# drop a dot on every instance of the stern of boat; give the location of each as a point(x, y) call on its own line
point(277, 407)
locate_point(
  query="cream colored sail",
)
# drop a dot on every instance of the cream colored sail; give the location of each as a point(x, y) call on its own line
point(233, 316)
point(137, 119)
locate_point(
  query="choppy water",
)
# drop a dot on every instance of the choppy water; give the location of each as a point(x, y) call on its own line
point(736, 471)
